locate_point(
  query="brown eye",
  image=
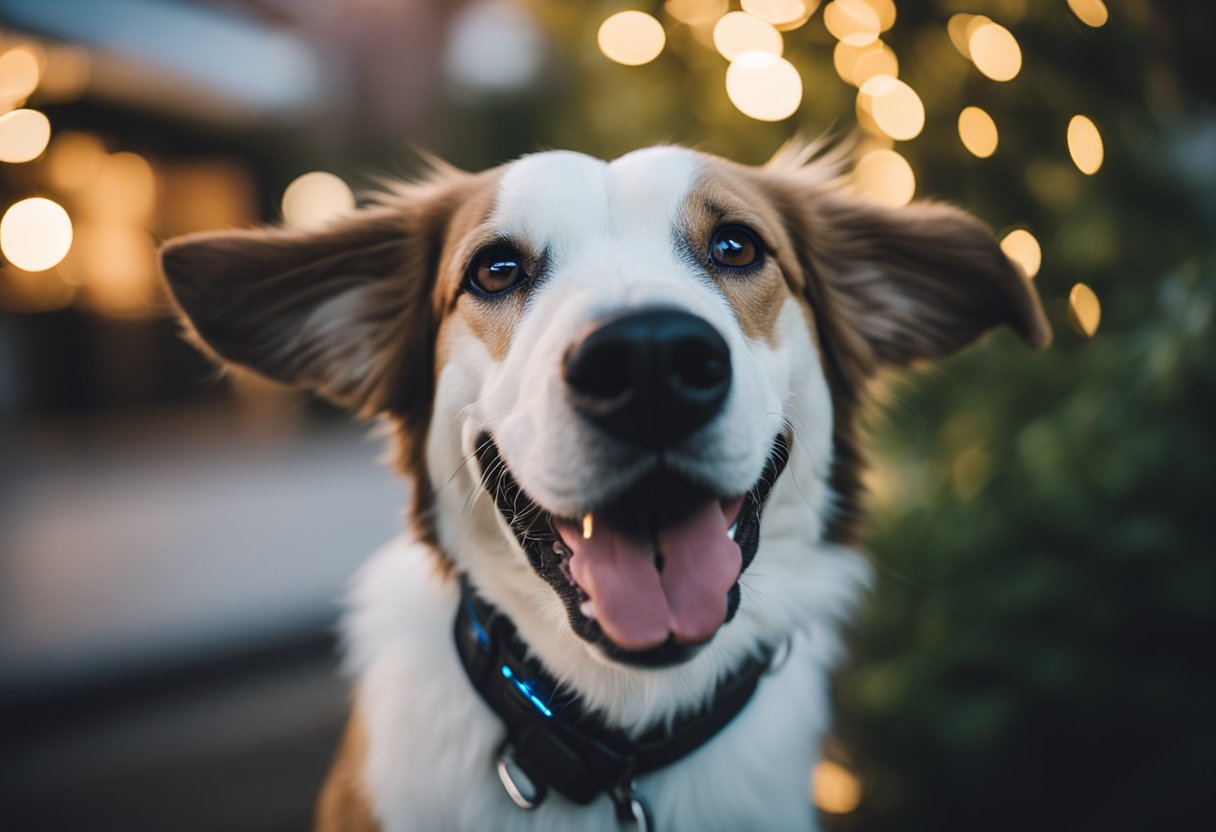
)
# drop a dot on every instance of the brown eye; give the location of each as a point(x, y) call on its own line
point(496, 269)
point(735, 247)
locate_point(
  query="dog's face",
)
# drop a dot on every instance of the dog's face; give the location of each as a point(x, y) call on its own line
point(606, 375)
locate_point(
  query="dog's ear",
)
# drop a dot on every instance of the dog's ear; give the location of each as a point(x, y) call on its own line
point(344, 311)
point(919, 282)
point(910, 283)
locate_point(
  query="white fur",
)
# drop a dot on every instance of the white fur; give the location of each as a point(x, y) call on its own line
point(609, 230)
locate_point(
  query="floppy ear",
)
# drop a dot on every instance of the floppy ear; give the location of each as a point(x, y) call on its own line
point(919, 282)
point(344, 311)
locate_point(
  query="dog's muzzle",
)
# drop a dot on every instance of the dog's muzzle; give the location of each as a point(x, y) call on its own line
point(649, 570)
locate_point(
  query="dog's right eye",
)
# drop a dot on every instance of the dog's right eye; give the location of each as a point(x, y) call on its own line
point(495, 270)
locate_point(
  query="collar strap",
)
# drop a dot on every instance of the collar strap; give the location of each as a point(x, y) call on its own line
point(551, 737)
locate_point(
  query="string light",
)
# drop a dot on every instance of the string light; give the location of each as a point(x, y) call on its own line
point(124, 187)
point(1085, 145)
point(764, 86)
point(894, 106)
point(117, 263)
point(781, 13)
point(834, 788)
point(995, 51)
point(1090, 12)
point(315, 198)
point(696, 12)
point(74, 160)
point(852, 21)
point(24, 134)
point(20, 69)
point(885, 177)
point(739, 32)
point(35, 234)
point(858, 64)
point(978, 132)
point(885, 9)
point(1084, 310)
point(66, 73)
point(631, 38)
point(960, 27)
point(1021, 247)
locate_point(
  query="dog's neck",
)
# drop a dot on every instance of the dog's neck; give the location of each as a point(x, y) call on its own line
point(552, 738)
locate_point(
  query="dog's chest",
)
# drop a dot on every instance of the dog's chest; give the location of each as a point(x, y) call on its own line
point(432, 742)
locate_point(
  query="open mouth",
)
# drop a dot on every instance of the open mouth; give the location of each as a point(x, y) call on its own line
point(652, 574)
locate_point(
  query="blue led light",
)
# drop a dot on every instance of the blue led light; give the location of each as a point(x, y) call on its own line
point(523, 688)
point(479, 632)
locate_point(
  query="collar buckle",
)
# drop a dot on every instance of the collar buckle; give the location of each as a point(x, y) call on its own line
point(525, 791)
point(632, 810)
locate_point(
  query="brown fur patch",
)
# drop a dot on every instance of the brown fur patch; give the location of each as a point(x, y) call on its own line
point(724, 196)
point(343, 805)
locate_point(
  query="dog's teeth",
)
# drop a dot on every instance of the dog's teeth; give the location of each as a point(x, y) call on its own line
point(587, 526)
point(587, 608)
point(734, 527)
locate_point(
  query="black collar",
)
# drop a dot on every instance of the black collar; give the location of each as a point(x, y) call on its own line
point(551, 740)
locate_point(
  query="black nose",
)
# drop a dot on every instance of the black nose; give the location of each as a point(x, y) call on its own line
point(649, 377)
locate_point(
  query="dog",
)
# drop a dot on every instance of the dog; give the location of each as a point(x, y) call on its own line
point(626, 395)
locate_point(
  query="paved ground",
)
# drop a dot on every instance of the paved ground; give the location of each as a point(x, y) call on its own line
point(167, 598)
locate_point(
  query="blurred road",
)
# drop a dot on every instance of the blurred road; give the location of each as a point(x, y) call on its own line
point(167, 601)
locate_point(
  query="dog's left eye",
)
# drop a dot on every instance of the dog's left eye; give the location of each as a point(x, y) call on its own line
point(496, 269)
point(735, 247)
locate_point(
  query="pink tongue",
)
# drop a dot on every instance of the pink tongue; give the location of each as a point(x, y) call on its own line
point(636, 605)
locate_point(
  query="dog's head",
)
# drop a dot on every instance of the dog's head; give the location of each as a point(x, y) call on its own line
point(601, 372)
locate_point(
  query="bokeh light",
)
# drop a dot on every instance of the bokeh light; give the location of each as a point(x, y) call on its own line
point(894, 106)
point(66, 74)
point(1084, 310)
point(74, 160)
point(696, 12)
point(1090, 12)
point(959, 28)
point(495, 47)
point(781, 13)
point(857, 64)
point(852, 21)
point(24, 134)
point(631, 38)
point(1021, 247)
point(35, 234)
point(1085, 145)
point(885, 177)
point(764, 86)
point(995, 51)
point(969, 472)
point(978, 132)
point(20, 69)
point(315, 198)
point(117, 264)
point(124, 187)
point(739, 32)
point(834, 788)
point(885, 9)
